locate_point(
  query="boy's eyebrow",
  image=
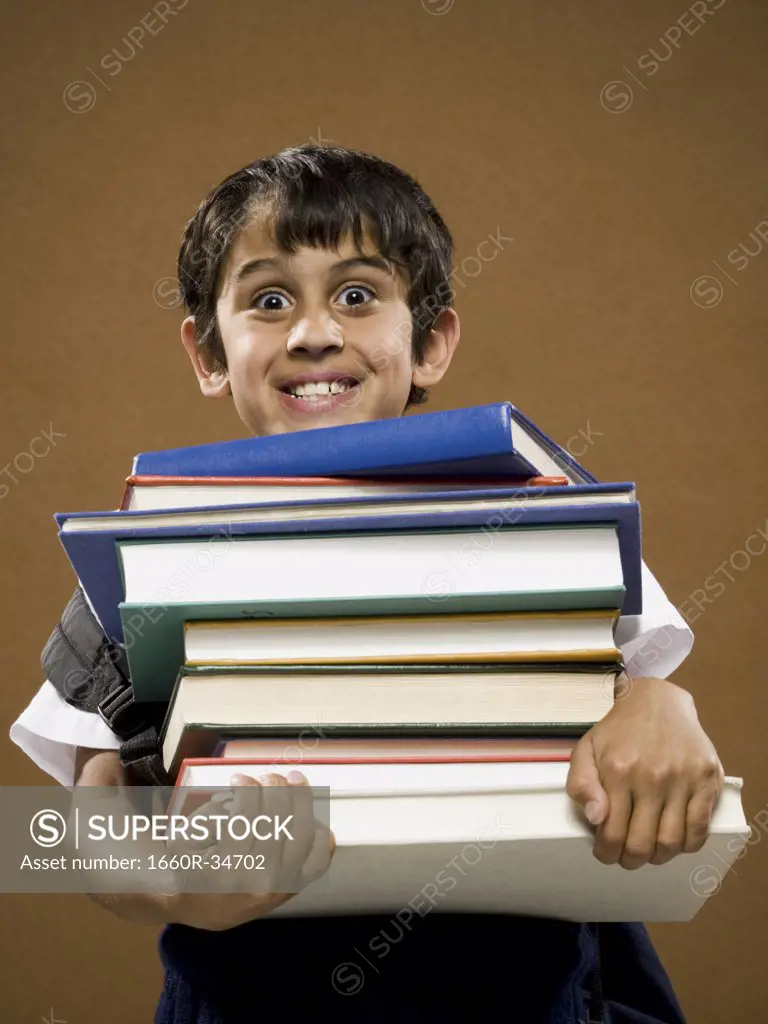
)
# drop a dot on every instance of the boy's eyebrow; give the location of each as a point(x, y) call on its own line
point(268, 263)
point(375, 262)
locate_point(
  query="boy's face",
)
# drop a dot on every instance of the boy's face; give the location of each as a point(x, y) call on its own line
point(315, 339)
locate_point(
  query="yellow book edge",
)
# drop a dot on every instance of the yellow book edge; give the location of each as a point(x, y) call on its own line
point(320, 621)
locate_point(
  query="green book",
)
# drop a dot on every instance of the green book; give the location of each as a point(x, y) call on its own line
point(168, 582)
point(154, 634)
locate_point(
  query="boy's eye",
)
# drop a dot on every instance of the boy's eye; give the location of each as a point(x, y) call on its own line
point(273, 301)
point(358, 294)
point(268, 301)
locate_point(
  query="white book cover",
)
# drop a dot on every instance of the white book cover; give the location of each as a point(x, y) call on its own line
point(526, 852)
point(509, 840)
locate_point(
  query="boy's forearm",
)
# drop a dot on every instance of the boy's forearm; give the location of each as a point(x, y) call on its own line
point(140, 908)
point(98, 768)
point(103, 768)
point(212, 911)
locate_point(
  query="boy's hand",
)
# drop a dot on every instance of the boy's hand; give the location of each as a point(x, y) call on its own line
point(307, 856)
point(210, 911)
point(647, 775)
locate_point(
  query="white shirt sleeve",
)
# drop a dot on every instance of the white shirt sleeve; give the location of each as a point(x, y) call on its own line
point(658, 641)
point(49, 729)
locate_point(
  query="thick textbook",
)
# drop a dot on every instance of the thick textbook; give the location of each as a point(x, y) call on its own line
point(90, 538)
point(491, 636)
point(525, 850)
point(495, 838)
point(396, 700)
point(484, 440)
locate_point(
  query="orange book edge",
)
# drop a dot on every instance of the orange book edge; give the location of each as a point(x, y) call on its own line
point(367, 620)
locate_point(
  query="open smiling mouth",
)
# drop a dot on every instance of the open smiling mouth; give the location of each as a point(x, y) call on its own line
point(320, 394)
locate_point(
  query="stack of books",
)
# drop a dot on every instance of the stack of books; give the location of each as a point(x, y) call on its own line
point(417, 613)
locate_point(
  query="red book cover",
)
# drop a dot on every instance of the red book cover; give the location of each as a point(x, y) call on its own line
point(517, 750)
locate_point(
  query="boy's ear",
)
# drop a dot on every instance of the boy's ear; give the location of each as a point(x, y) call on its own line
point(438, 350)
point(213, 383)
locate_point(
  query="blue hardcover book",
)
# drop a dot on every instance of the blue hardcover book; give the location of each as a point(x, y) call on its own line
point(90, 538)
point(483, 440)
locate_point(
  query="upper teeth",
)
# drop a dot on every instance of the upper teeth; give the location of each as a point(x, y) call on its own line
point(320, 387)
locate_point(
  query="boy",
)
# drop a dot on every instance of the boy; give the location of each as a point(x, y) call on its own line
point(318, 287)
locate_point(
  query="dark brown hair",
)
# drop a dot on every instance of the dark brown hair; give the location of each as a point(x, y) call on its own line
point(316, 196)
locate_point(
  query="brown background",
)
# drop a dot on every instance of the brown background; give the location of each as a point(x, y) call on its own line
point(615, 207)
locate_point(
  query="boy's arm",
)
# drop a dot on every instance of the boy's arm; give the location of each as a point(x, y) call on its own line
point(103, 768)
point(647, 775)
point(97, 767)
point(648, 767)
point(210, 911)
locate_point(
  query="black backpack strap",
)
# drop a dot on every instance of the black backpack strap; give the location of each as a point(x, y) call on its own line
point(90, 672)
point(79, 660)
point(141, 756)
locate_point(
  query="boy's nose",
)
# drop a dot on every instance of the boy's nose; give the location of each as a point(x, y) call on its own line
point(314, 335)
